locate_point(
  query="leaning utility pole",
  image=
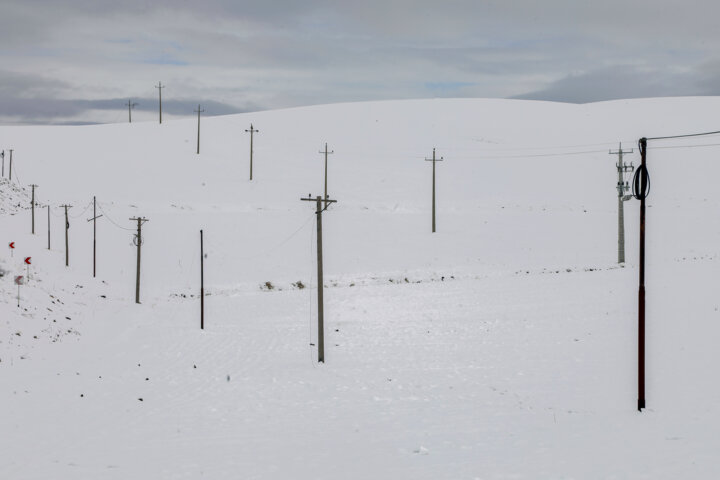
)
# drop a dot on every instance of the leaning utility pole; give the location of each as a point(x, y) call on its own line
point(160, 86)
point(622, 188)
point(138, 240)
point(326, 155)
point(130, 104)
point(67, 227)
point(252, 130)
point(32, 207)
point(433, 160)
point(321, 330)
point(198, 111)
point(94, 220)
point(10, 177)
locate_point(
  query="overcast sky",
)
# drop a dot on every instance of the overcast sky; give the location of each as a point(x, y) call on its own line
point(80, 61)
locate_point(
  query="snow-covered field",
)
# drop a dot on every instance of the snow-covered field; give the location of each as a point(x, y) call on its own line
point(502, 346)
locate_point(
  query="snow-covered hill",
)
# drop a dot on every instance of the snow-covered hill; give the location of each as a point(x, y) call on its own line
point(502, 346)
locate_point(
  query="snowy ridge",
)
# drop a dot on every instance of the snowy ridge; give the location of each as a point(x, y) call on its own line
point(502, 346)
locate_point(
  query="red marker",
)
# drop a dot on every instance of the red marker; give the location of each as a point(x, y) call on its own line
point(27, 260)
point(19, 280)
point(12, 244)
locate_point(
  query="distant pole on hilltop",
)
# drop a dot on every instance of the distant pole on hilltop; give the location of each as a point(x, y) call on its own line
point(251, 131)
point(326, 156)
point(32, 207)
point(198, 111)
point(2, 155)
point(130, 104)
point(160, 86)
point(67, 227)
point(94, 220)
point(321, 320)
point(138, 240)
point(622, 188)
point(433, 160)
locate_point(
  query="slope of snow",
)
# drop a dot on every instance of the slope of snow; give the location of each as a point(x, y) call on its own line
point(502, 346)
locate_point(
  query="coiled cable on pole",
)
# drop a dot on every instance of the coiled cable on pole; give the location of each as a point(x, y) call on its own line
point(641, 180)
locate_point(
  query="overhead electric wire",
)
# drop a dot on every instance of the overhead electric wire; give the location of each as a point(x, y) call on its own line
point(684, 136)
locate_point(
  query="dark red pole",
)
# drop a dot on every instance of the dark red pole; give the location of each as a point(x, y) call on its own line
point(641, 290)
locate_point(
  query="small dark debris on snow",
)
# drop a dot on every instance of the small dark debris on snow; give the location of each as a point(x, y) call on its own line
point(194, 366)
point(140, 399)
point(103, 296)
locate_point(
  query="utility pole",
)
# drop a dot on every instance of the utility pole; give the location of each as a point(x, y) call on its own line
point(641, 194)
point(67, 227)
point(202, 284)
point(130, 104)
point(622, 188)
point(326, 155)
point(160, 86)
point(32, 207)
point(198, 111)
point(321, 330)
point(94, 220)
point(252, 131)
point(2, 155)
point(11, 150)
point(433, 160)
point(48, 212)
point(138, 240)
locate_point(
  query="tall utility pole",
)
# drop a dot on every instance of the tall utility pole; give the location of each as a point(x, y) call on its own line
point(202, 284)
point(11, 150)
point(138, 240)
point(130, 104)
point(642, 194)
point(160, 86)
point(622, 188)
point(32, 207)
point(48, 212)
point(326, 155)
point(2, 155)
point(252, 131)
point(67, 227)
point(433, 160)
point(198, 111)
point(94, 220)
point(321, 329)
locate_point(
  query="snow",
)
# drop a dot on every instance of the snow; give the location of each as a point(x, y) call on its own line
point(502, 346)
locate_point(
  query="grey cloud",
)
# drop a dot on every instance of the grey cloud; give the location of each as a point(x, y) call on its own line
point(613, 83)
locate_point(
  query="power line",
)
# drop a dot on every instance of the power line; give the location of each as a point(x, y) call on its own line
point(684, 136)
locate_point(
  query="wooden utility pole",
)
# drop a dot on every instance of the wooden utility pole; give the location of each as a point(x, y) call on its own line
point(202, 284)
point(622, 188)
point(433, 160)
point(67, 227)
point(321, 329)
point(94, 220)
point(252, 131)
point(2, 155)
point(326, 155)
point(160, 86)
point(130, 104)
point(32, 207)
point(138, 240)
point(10, 177)
point(198, 111)
point(48, 212)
